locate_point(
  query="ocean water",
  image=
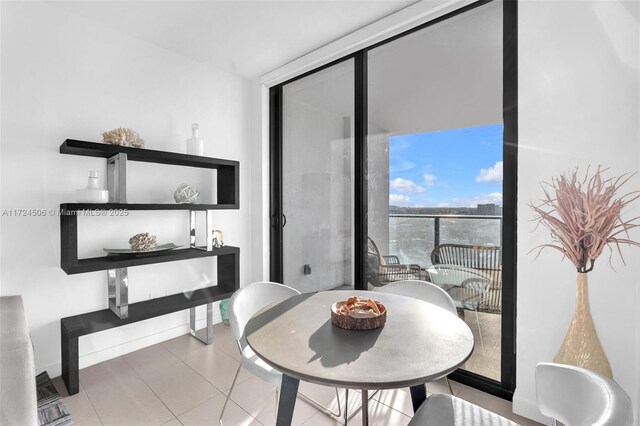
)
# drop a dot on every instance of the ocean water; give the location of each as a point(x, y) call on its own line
point(412, 238)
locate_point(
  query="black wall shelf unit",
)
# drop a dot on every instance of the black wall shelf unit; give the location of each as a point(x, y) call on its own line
point(227, 257)
point(228, 170)
point(71, 328)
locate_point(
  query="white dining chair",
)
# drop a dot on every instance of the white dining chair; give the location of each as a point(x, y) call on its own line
point(448, 410)
point(244, 303)
point(577, 396)
point(427, 292)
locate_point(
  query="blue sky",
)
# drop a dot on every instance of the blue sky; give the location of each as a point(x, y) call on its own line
point(449, 168)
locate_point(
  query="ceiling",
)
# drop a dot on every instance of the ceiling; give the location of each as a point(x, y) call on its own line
point(245, 37)
point(446, 76)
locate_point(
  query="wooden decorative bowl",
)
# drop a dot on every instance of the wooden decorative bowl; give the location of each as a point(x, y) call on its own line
point(350, 323)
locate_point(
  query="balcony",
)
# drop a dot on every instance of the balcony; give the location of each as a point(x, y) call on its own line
point(412, 238)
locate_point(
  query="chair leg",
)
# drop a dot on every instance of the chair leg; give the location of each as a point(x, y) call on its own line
point(229, 394)
point(479, 331)
point(315, 404)
point(446, 379)
point(348, 416)
point(339, 405)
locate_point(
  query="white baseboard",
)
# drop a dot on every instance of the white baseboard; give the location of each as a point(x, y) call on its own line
point(527, 408)
point(86, 360)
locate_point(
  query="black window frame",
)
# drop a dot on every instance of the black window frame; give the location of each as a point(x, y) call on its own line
point(506, 386)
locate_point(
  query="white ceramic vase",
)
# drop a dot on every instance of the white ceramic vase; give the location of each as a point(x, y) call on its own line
point(92, 193)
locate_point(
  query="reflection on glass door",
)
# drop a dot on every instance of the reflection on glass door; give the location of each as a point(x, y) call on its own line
point(317, 180)
point(435, 161)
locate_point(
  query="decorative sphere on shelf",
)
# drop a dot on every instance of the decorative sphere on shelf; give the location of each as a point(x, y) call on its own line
point(143, 242)
point(186, 194)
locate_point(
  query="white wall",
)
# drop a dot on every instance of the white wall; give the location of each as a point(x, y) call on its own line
point(579, 105)
point(67, 77)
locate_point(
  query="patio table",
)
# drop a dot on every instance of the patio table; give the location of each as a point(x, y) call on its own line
point(419, 342)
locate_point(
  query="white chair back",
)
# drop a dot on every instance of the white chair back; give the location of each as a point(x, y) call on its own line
point(248, 300)
point(422, 290)
point(576, 396)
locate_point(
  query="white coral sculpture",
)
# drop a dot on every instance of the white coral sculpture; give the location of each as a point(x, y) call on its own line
point(143, 242)
point(124, 137)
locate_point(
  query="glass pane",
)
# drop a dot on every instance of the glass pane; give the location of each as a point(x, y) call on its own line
point(435, 168)
point(317, 180)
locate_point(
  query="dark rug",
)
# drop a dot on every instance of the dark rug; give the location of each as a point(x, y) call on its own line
point(51, 409)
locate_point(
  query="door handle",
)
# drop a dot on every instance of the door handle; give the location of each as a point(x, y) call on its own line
point(275, 220)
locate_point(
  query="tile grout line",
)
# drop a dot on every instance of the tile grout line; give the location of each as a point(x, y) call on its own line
point(215, 349)
point(192, 369)
point(89, 399)
point(148, 387)
point(230, 400)
point(221, 392)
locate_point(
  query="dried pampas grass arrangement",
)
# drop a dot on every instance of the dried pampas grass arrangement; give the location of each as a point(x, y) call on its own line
point(124, 137)
point(584, 216)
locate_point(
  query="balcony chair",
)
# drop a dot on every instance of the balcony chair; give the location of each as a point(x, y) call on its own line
point(485, 262)
point(382, 270)
point(426, 291)
point(466, 287)
point(243, 304)
point(576, 396)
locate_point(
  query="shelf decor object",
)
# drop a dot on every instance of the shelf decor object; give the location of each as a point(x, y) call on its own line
point(186, 194)
point(195, 145)
point(217, 239)
point(143, 242)
point(584, 217)
point(120, 312)
point(123, 137)
point(92, 193)
point(161, 247)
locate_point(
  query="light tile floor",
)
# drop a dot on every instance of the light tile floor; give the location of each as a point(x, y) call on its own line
point(183, 382)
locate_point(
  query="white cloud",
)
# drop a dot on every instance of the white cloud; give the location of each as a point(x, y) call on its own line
point(430, 180)
point(493, 198)
point(492, 174)
point(401, 165)
point(405, 185)
point(399, 200)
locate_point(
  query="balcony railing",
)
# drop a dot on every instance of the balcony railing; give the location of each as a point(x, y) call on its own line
point(412, 238)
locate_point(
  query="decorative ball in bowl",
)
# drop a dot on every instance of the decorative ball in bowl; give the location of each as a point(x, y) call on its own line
point(358, 314)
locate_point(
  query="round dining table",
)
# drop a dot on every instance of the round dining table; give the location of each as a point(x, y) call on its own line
point(419, 342)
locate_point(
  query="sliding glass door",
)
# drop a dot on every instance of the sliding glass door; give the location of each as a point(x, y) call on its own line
point(317, 180)
point(399, 162)
point(435, 168)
